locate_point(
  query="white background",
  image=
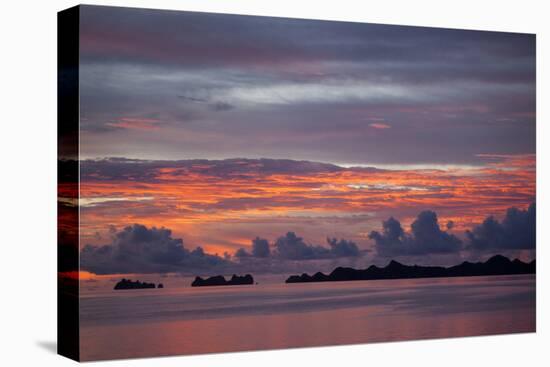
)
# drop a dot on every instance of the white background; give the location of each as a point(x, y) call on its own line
point(28, 183)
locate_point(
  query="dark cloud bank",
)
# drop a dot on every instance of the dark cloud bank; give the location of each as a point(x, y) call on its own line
point(517, 231)
point(138, 249)
point(426, 237)
point(292, 247)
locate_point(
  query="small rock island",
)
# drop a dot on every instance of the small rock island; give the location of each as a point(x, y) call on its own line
point(130, 284)
point(220, 280)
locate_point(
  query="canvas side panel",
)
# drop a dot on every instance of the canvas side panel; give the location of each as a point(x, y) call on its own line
point(67, 183)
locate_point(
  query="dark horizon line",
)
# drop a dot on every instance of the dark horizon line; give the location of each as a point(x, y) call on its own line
point(495, 265)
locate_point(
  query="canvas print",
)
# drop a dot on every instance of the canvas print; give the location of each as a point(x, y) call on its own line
point(236, 183)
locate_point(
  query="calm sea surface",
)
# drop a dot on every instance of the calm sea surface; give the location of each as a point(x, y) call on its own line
point(185, 320)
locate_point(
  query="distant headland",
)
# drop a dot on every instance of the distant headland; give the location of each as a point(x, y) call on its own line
point(220, 280)
point(496, 265)
point(129, 284)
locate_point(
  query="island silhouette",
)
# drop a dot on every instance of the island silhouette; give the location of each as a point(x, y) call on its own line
point(220, 280)
point(496, 265)
point(130, 284)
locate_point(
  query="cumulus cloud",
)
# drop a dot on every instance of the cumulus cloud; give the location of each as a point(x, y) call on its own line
point(292, 247)
point(260, 247)
point(138, 249)
point(241, 253)
point(342, 248)
point(425, 237)
point(517, 231)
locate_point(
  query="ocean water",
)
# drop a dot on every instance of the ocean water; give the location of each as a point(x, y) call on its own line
point(185, 320)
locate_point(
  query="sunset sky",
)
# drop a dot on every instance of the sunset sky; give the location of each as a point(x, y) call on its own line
point(202, 132)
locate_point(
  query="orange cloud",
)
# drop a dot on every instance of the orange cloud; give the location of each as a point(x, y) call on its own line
point(135, 123)
point(220, 212)
point(77, 275)
point(379, 125)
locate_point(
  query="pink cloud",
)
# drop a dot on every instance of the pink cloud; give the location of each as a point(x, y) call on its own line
point(135, 123)
point(379, 125)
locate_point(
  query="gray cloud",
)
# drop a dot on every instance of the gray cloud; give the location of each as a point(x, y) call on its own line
point(198, 74)
point(292, 247)
point(138, 249)
point(516, 231)
point(242, 253)
point(342, 248)
point(260, 249)
point(221, 106)
point(426, 237)
point(220, 39)
point(114, 169)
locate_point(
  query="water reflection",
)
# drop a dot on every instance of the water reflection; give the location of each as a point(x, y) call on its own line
point(222, 319)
